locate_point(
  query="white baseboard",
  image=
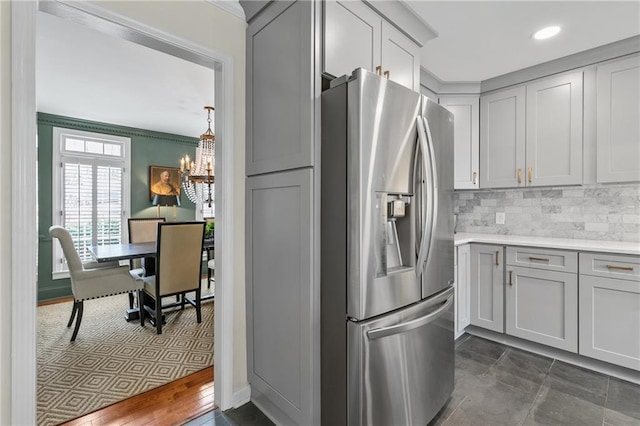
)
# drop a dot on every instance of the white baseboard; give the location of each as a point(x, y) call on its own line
point(242, 396)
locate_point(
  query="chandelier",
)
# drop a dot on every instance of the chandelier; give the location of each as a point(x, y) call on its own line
point(197, 177)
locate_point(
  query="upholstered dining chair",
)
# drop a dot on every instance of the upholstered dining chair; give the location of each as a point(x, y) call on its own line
point(91, 280)
point(178, 260)
point(141, 230)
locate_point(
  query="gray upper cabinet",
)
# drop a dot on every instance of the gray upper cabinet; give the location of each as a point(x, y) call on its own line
point(532, 135)
point(554, 131)
point(280, 85)
point(618, 131)
point(502, 138)
point(466, 139)
point(355, 36)
point(352, 37)
point(400, 57)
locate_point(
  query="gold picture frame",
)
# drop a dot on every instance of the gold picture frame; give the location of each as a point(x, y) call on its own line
point(164, 184)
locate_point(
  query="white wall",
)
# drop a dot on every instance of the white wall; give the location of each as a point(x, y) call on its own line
point(5, 213)
point(196, 21)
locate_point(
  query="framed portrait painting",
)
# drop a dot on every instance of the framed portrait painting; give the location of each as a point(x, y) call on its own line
point(164, 182)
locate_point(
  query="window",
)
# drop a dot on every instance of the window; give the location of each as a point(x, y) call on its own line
point(90, 190)
point(203, 210)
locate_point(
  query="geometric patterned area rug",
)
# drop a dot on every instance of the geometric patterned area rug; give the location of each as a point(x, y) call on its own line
point(112, 359)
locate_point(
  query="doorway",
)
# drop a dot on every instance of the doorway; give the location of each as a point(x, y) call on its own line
point(23, 324)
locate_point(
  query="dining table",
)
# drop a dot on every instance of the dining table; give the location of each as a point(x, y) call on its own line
point(145, 251)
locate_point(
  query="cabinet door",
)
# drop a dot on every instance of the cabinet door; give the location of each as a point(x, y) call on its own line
point(351, 37)
point(542, 306)
point(466, 139)
point(502, 139)
point(486, 287)
point(280, 87)
point(462, 315)
point(554, 131)
point(400, 57)
point(282, 333)
point(610, 320)
point(618, 109)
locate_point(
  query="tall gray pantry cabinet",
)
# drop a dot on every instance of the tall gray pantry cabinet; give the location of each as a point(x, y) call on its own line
point(286, 71)
point(282, 296)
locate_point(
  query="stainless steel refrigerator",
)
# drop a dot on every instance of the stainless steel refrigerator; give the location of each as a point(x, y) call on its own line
point(386, 254)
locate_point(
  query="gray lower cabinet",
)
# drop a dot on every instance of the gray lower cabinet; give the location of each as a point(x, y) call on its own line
point(281, 332)
point(280, 88)
point(618, 109)
point(610, 308)
point(486, 286)
point(462, 275)
point(542, 296)
point(542, 306)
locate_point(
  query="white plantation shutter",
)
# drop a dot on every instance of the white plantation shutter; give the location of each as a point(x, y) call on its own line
point(92, 189)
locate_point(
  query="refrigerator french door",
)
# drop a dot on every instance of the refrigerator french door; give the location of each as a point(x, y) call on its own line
point(386, 253)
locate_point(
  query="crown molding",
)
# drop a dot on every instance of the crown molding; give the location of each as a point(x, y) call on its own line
point(431, 82)
point(230, 6)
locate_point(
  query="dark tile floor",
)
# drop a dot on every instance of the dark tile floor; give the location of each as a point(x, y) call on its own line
point(499, 385)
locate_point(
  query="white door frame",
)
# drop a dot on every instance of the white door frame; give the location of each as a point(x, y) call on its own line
point(24, 237)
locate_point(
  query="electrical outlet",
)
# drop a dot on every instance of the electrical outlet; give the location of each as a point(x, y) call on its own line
point(500, 218)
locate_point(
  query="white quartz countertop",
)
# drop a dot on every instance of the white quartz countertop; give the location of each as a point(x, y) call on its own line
point(618, 247)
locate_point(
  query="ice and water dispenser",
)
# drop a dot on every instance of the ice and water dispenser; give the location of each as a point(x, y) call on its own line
point(396, 233)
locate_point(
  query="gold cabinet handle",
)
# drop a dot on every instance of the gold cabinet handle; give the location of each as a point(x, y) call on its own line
point(475, 178)
point(511, 278)
point(530, 173)
point(519, 175)
point(386, 74)
point(622, 268)
point(379, 70)
point(497, 258)
point(541, 259)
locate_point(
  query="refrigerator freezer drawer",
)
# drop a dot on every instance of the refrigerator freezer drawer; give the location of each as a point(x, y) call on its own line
point(401, 365)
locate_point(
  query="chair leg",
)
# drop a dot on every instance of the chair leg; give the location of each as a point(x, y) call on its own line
point(73, 313)
point(208, 276)
point(78, 321)
point(198, 305)
point(131, 300)
point(141, 309)
point(182, 297)
point(159, 315)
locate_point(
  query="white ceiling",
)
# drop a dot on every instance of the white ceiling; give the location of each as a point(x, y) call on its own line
point(86, 74)
point(478, 40)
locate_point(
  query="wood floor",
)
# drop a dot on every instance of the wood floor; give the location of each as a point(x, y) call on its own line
point(171, 404)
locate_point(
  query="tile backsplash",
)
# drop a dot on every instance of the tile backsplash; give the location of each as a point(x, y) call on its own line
point(596, 212)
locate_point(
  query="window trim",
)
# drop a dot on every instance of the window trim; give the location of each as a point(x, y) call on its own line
point(58, 154)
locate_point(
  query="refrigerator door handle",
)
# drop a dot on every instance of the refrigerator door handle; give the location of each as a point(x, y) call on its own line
point(427, 217)
point(409, 325)
point(434, 182)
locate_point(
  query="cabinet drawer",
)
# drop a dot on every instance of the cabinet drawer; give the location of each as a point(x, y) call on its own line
point(610, 266)
point(551, 260)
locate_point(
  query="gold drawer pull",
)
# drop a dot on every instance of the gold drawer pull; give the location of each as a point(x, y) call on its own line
point(386, 74)
point(510, 277)
point(541, 259)
point(497, 258)
point(379, 70)
point(622, 268)
point(475, 178)
point(530, 173)
point(519, 175)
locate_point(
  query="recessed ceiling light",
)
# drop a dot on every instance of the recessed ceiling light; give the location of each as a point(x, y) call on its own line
point(546, 32)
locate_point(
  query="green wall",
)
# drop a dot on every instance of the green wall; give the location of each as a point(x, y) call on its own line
point(148, 148)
